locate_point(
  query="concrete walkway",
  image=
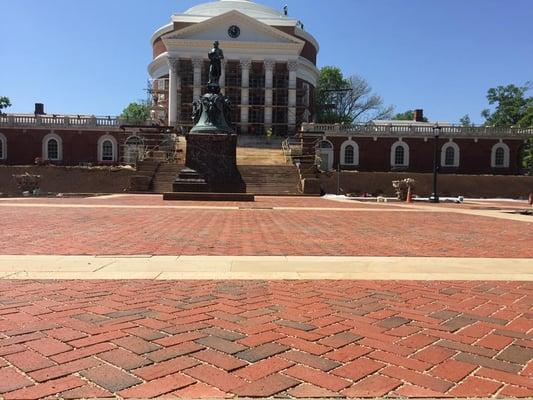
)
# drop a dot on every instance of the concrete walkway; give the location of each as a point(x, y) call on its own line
point(269, 268)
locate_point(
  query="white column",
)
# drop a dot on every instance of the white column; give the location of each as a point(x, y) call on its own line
point(269, 83)
point(223, 78)
point(293, 68)
point(197, 64)
point(245, 93)
point(173, 92)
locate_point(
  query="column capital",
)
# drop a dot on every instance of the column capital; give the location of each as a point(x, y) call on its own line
point(173, 64)
point(197, 62)
point(246, 64)
point(292, 66)
point(270, 65)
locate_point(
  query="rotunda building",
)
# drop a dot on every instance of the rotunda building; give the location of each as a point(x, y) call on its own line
point(269, 72)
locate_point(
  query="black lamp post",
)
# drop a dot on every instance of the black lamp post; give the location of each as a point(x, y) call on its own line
point(434, 198)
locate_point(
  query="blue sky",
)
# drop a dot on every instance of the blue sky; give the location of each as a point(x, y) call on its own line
point(441, 55)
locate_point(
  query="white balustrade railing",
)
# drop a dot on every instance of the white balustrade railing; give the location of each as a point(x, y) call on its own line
point(414, 130)
point(14, 120)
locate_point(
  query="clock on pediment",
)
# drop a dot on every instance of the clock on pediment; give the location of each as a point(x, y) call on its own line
point(234, 31)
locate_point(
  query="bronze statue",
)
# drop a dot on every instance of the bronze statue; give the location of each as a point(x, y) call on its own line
point(216, 55)
point(212, 112)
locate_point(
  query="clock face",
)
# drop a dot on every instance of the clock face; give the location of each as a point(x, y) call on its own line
point(234, 31)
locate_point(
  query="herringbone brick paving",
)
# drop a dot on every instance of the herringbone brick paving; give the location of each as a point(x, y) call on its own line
point(130, 339)
point(252, 232)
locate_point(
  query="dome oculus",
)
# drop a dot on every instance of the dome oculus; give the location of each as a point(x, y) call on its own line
point(234, 31)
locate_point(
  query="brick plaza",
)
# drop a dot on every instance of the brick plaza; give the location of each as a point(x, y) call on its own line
point(258, 338)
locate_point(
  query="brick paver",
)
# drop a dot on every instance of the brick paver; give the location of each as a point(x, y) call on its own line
point(298, 339)
point(312, 226)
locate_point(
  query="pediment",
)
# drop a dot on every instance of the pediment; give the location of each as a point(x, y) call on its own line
point(251, 31)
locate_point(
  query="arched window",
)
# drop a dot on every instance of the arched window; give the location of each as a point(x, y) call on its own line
point(400, 154)
point(107, 149)
point(500, 156)
point(325, 144)
point(3, 147)
point(450, 155)
point(52, 147)
point(349, 153)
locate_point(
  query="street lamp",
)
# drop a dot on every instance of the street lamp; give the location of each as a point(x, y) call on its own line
point(434, 198)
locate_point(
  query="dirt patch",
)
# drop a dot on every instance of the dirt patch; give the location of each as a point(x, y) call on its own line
point(68, 179)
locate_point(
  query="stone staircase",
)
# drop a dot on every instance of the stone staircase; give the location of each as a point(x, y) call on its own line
point(264, 170)
point(271, 179)
point(164, 177)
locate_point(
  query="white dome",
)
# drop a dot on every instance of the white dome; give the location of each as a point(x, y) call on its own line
point(247, 7)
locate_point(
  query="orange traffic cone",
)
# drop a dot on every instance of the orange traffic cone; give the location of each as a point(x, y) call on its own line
point(409, 195)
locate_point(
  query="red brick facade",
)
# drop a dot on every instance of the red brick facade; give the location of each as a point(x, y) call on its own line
point(81, 146)
point(474, 157)
point(25, 145)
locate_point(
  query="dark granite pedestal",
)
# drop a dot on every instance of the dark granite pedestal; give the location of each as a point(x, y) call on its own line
point(211, 165)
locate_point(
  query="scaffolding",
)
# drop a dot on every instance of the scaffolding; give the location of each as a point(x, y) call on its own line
point(139, 142)
point(159, 92)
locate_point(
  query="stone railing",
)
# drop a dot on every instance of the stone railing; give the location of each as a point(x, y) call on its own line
point(61, 121)
point(414, 130)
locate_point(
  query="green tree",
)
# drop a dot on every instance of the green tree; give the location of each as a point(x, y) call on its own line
point(527, 154)
point(136, 113)
point(527, 119)
point(346, 100)
point(408, 115)
point(465, 121)
point(511, 105)
point(4, 103)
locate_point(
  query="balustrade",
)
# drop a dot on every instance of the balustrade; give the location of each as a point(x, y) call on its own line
point(13, 120)
point(414, 130)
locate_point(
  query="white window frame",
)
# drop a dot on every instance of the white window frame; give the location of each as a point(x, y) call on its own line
point(3, 140)
point(46, 139)
point(405, 146)
point(101, 141)
point(506, 155)
point(457, 155)
point(355, 146)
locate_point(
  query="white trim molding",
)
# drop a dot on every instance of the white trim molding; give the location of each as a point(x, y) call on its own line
point(405, 147)
point(456, 155)
point(506, 155)
point(114, 145)
point(57, 138)
point(355, 153)
point(3, 142)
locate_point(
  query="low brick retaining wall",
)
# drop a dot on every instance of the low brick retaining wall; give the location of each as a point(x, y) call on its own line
point(482, 186)
point(68, 179)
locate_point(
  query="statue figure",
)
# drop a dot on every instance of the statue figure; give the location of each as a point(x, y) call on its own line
point(212, 112)
point(216, 55)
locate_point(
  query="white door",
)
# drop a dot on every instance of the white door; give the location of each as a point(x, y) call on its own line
point(325, 152)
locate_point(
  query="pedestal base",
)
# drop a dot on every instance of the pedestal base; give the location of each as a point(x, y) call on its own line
point(211, 165)
point(189, 180)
